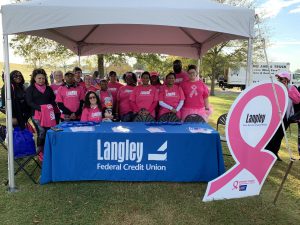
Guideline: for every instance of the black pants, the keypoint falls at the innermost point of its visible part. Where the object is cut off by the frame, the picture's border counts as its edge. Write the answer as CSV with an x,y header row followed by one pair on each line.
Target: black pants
x,y
275,142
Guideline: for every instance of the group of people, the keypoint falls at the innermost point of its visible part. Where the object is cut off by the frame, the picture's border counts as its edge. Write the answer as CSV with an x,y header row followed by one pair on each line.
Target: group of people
x,y
72,98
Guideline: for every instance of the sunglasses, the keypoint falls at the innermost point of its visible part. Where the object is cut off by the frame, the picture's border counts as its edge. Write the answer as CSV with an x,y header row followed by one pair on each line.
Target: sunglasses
x,y
92,97
17,76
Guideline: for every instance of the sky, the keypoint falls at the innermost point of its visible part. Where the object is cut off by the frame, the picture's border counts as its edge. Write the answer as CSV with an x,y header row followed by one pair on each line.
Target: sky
x,y
282,19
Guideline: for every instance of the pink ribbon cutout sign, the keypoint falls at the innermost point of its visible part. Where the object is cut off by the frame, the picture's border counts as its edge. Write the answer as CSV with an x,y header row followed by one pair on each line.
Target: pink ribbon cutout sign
x,y
251,122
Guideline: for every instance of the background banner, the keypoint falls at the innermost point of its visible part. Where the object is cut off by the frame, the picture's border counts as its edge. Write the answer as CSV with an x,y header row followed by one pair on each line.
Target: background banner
x,y
251,122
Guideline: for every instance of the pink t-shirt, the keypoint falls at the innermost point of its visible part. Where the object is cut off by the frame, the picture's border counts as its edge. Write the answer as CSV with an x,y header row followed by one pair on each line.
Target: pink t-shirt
x,y
55,87
70,97
106,99
114,88
123,99
45,116
144,97
82,84
91,88
195,93
181,77
171,96
294,94
91,115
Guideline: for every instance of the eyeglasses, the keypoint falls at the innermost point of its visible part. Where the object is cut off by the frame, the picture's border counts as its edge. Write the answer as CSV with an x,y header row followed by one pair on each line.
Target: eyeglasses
x,y
92,97
17,76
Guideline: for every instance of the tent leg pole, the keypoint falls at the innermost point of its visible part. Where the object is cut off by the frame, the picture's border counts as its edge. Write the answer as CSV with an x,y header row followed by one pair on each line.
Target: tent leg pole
x,y
249,79
283,181
11,169
79,61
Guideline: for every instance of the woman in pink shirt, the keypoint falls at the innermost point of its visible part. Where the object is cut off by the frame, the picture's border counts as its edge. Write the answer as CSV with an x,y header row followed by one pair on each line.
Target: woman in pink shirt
x,y
58,82
196,96
88,83
113,84
144,98
171,97
92,108
123,107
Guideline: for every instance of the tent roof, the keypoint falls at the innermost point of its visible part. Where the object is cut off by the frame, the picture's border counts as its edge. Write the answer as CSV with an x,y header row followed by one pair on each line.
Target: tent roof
x,y
185,28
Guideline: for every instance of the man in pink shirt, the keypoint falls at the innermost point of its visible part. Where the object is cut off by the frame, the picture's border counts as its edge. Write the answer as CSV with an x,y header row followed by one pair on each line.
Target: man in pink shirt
x,y
181,75
70,98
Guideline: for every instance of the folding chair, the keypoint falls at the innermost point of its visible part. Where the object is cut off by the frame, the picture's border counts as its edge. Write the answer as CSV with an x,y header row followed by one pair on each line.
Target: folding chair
x,y
25,162
222,121
141,118
195,118
168,117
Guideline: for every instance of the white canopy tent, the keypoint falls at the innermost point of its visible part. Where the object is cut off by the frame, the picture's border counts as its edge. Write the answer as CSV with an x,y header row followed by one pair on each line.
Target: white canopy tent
x,y
184,28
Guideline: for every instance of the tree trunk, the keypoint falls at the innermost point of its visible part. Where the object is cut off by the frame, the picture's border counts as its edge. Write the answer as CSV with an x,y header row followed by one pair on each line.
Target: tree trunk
x,y
213,77
100,60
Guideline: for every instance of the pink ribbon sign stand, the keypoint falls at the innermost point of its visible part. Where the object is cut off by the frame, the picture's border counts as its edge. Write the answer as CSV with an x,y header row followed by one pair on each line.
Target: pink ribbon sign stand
x,y
251,122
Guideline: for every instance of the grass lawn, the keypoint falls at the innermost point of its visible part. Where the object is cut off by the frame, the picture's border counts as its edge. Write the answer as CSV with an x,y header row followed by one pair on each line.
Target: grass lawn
x,y
100,202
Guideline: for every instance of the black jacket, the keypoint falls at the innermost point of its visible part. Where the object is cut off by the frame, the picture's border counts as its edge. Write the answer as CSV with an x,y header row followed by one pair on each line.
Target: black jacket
x,y
20,109
35,98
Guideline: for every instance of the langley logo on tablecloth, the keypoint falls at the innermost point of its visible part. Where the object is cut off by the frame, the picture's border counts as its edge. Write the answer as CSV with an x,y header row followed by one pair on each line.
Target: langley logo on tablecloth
x,y
128,155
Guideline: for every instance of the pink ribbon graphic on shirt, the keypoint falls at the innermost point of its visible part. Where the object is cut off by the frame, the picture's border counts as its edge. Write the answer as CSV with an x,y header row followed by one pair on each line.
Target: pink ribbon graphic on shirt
x,y
253,159
194,91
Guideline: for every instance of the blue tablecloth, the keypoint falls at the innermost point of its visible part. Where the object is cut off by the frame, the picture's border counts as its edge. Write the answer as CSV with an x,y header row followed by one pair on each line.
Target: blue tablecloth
x,y
183,153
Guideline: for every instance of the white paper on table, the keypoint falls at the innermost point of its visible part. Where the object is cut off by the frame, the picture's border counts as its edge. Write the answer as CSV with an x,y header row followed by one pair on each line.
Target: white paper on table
x,y
82,129
156,129
120,129
200,130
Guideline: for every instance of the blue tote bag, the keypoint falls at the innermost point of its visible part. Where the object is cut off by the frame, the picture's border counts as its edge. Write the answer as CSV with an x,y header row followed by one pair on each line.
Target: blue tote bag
x,y
23,143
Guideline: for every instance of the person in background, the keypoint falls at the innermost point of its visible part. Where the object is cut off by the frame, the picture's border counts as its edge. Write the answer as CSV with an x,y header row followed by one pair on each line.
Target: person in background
x,y
294,98
92,108
124,110
96,80
113,87
171,97
196,96
88,84
154,80
144,97
78,77
38,95
70,98
51,77
58,82
20,109
181,76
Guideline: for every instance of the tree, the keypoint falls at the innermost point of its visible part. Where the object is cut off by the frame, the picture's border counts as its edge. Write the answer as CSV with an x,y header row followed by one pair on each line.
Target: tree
x,y
230,53
39,51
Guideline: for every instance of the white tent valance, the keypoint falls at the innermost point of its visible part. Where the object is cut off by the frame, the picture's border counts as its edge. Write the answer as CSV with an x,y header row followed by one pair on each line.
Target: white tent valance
x,y
184,28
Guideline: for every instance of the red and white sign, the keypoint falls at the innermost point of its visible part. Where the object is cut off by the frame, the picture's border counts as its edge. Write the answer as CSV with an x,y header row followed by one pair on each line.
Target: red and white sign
x,y
251,122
